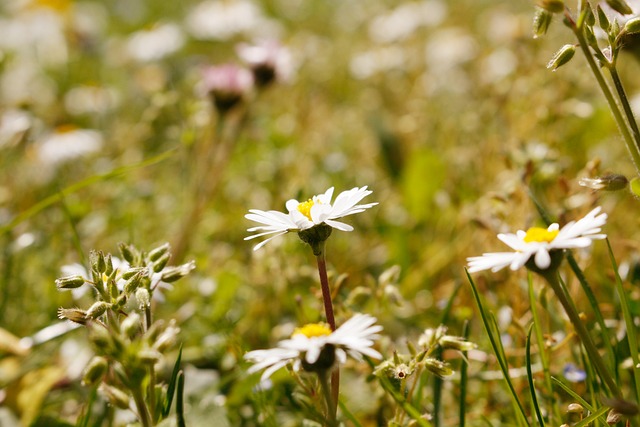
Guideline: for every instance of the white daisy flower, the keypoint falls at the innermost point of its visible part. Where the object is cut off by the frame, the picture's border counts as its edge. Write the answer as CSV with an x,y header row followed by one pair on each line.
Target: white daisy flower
x,y
316,348
539,242
305,215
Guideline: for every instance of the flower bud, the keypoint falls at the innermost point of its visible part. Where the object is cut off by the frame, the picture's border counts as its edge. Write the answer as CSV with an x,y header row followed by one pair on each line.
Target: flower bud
x,y
149,356
614,417
156,253
167,338
70,282
456,343
632,26
613,182
109,264
131,325
161,262
143,297
133,283
437,367
129,253
603,19
94,371
575,408
172,274
553,6
97,261
133,271
620,6
541,21
73,314
115,396
97,309
562,56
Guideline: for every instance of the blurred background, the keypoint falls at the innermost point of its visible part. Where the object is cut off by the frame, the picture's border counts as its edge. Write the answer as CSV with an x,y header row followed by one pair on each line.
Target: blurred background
x,y
444,109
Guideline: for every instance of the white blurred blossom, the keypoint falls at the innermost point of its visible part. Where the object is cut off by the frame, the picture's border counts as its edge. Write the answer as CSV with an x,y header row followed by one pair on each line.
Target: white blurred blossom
x,y
13,124
405,19
155,43
67,144
90,100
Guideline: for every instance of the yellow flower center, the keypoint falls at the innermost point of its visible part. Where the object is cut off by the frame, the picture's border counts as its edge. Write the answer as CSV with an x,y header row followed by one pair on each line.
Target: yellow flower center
x,y
313,330
305,208
538,234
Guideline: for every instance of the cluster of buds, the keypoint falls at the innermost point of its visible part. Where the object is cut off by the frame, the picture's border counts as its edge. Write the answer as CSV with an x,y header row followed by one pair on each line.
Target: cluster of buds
x,y
230,85
126,341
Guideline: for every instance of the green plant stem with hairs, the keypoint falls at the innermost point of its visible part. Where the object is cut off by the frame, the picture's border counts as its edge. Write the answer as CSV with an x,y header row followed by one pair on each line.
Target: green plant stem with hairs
x,y
319,251
632,140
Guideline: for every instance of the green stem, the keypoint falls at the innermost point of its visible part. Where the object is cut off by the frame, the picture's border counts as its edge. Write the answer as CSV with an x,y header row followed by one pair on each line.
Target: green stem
x,y
152,374
624,100
328,309
581,330
143,412
326,392
634,150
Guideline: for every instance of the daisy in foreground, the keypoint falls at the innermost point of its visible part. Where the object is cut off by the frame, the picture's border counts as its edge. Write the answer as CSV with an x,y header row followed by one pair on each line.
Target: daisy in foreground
x,y
301,216
316,349
541,244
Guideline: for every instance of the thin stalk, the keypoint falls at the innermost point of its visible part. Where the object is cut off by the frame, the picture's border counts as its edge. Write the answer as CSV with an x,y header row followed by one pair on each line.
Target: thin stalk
x,y
143,412
624,100
152,373
326,392
328,309
464,377
634,149
583,333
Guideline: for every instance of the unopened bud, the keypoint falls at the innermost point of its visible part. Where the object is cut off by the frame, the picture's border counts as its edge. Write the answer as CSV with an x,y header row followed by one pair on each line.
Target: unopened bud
x,y
541,21
73,314
437,367
553,6
168,337
133,271
131,325
620,6
562,56
589,18
614,417
161,262
613,182
115,396
143,297
456,343
97,309
97,261
133,283
632,26
575,408
128,252
109,264
149,356
156,253
94,371
173,274
70,282
602,18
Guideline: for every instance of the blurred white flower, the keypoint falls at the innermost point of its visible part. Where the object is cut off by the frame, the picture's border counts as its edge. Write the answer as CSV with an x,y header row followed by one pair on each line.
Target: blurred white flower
x,y
155,43
68,143
90,100
221,20
268,60
366,64
13,124
450,48
304,215
539,242
317,349
405,19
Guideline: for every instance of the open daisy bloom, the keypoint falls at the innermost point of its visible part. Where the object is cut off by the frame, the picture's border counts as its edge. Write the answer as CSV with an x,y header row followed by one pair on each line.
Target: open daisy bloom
x,y
317,349
541,244
318,211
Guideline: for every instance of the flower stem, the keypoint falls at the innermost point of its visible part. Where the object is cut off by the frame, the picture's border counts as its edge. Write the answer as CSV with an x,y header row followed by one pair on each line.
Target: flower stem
x,y
328,309
624,100
152,373
582,332
331,406
143,412
632,146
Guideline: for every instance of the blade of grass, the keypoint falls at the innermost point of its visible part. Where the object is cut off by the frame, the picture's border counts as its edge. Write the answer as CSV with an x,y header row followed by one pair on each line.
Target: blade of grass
x,y
348,414
592,417
628,321
180,401
172,385
45,203
544,359
532,388
497,349
463,379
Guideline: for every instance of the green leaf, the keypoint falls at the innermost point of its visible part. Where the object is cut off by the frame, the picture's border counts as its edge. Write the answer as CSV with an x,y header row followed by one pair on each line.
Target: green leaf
x,y
172,385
